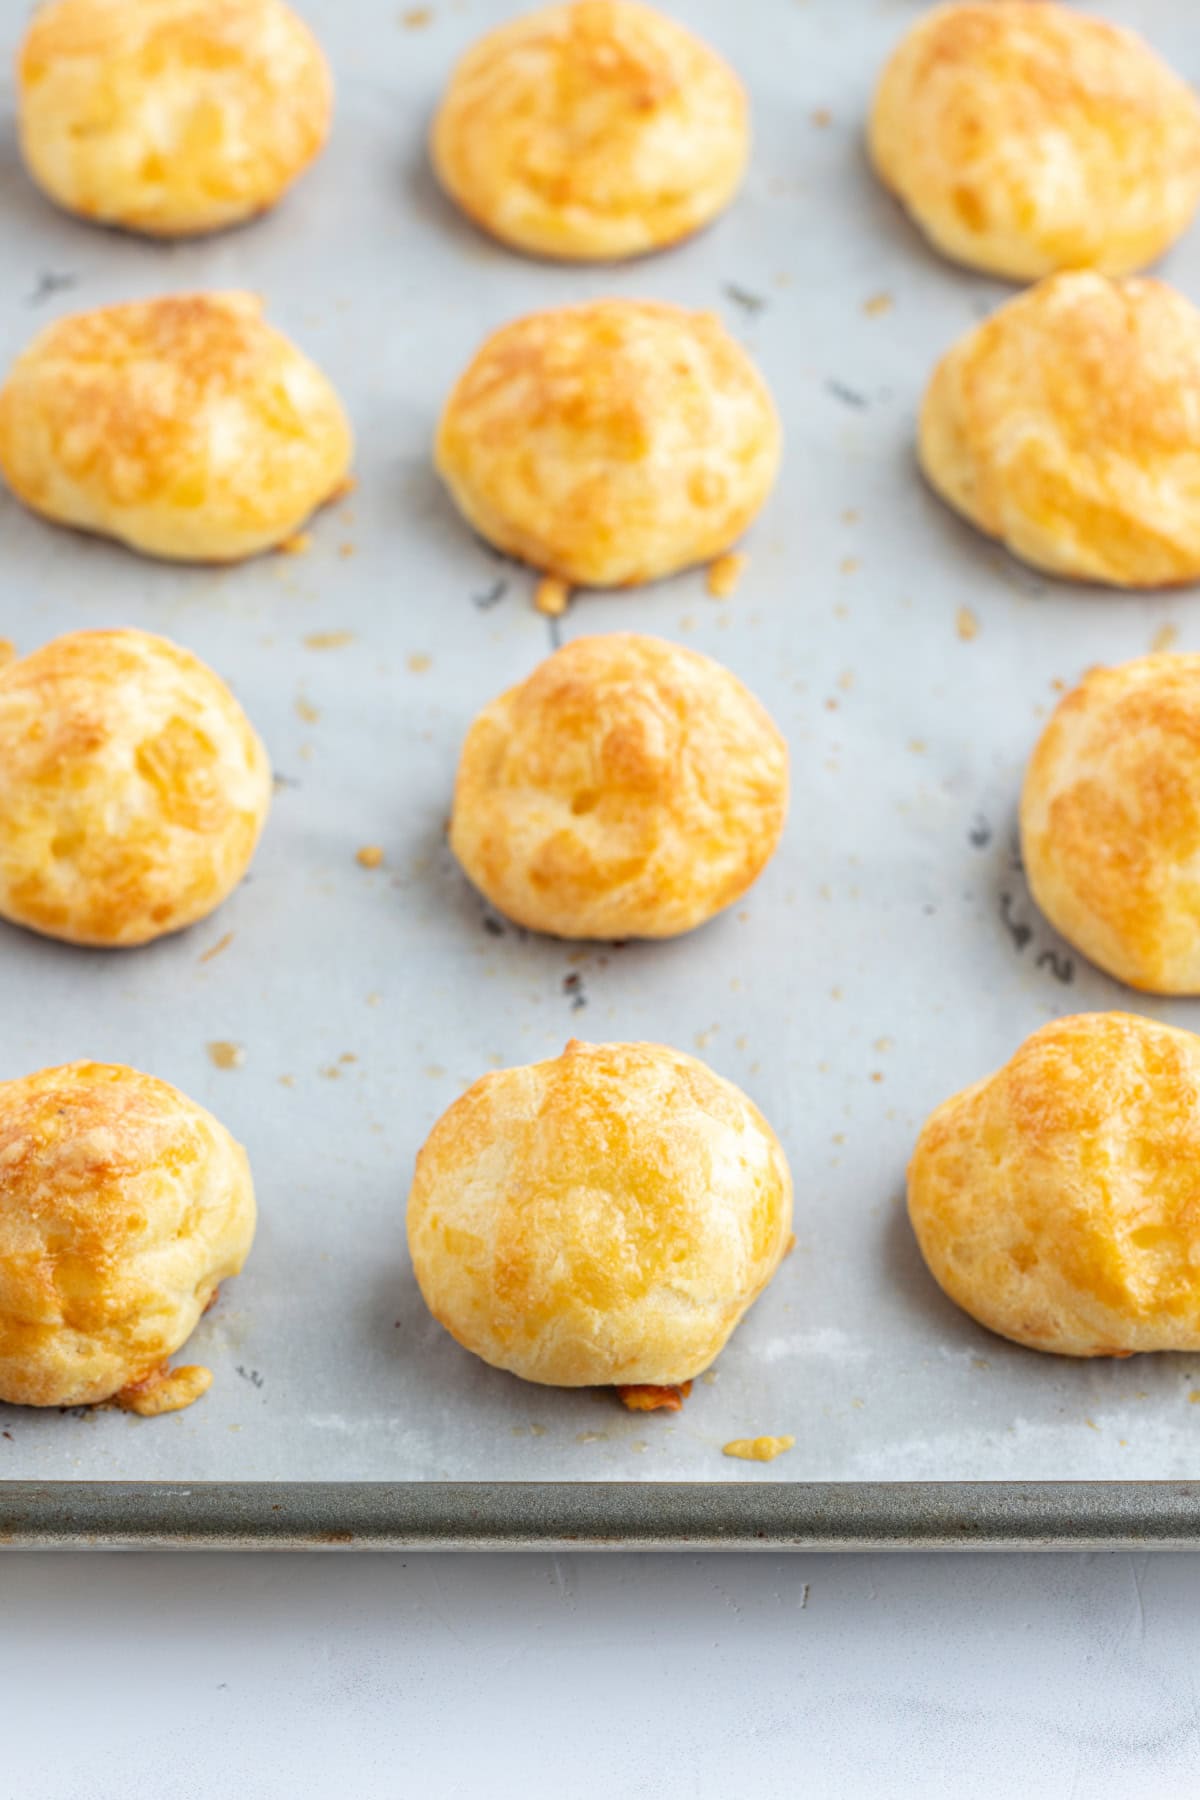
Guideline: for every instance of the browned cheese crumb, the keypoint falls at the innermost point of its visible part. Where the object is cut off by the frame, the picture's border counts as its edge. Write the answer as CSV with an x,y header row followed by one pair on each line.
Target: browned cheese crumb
x,y
758,1449
655,1399
551,596
724,574
166,1390
328,640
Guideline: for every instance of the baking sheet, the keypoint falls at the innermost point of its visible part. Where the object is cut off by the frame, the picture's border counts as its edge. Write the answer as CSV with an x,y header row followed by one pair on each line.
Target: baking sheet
x,y
890,954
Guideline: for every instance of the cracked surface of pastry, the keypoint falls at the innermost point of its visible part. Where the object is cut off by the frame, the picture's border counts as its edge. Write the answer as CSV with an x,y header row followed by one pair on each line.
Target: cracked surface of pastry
x,y
123,1205
1110,821
1026,137
627,788
186,427
1068,426
1056,1201
603,1218
133,789
170,117
610,443
592,131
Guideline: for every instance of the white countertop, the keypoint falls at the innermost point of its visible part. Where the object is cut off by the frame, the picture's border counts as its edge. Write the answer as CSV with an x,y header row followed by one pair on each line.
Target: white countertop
x,y
1048,1678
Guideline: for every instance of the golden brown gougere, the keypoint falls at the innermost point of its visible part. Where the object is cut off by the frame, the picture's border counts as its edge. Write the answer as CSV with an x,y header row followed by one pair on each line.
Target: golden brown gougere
x,y
1026,137
1110,821
1055,1201
170,117
601,1219
133,789
123,1205
591,131
1068,426
627,788
186,427
610,443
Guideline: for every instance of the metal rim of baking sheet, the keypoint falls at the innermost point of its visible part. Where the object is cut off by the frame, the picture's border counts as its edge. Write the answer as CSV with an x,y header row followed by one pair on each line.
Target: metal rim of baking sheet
x,y
565,1516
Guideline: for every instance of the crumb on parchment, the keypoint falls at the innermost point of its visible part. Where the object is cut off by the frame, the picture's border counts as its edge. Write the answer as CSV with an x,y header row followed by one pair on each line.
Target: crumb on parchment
x,y
758,1449
370,856
165,1390
328,640
644,1398
966,624
724,574
551,596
